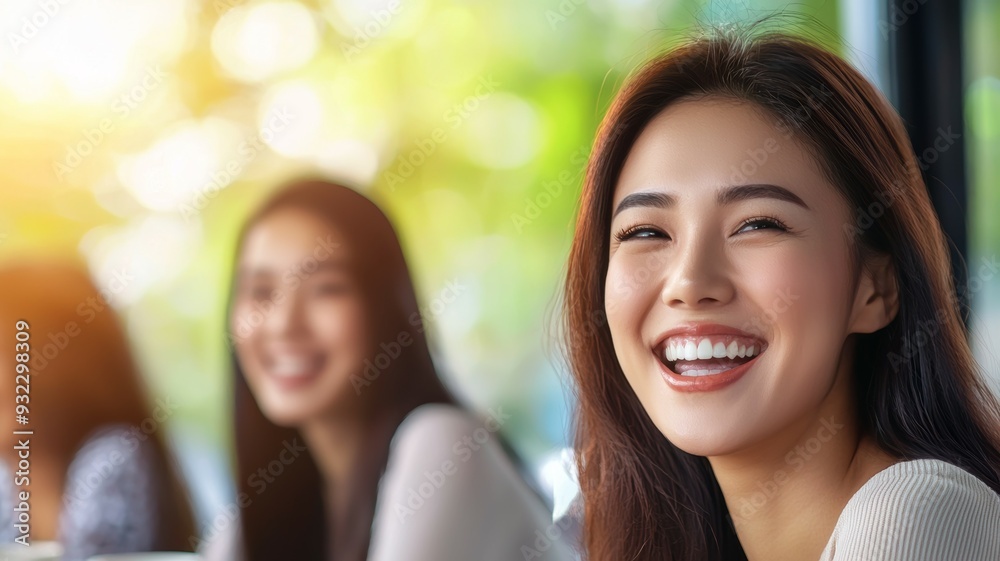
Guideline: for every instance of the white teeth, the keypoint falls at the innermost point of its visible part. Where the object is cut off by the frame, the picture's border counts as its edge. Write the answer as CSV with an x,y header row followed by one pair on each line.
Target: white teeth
x,y
291,367
690,351
702,372
704,349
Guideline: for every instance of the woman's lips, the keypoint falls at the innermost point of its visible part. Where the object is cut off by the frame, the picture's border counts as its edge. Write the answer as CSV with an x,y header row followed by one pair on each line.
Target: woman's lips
x,y
707,363
292,372
706,382
704,356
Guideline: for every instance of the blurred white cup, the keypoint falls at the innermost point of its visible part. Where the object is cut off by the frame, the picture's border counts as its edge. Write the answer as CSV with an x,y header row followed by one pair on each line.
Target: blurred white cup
x,y
150,556
37,551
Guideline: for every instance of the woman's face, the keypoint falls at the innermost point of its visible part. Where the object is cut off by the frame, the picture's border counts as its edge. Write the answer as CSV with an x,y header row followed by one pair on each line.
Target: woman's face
x,y
730,289
298,322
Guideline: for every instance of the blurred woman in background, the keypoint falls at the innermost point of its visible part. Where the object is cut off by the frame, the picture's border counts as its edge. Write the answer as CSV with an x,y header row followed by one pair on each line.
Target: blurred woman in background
x,y
348,445
101,479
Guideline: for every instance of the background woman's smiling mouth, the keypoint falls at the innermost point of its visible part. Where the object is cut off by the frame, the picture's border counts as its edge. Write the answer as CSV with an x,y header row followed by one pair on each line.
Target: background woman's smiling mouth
x,y
293,370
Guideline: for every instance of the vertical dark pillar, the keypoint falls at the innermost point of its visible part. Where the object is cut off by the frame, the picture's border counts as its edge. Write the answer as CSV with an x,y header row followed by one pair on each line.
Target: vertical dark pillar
x,y
925,48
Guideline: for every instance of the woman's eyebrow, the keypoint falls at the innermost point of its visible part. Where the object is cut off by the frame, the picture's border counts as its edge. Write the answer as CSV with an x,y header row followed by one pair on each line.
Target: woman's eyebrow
x,y
254,272
655,199
334,266
725,196
734,193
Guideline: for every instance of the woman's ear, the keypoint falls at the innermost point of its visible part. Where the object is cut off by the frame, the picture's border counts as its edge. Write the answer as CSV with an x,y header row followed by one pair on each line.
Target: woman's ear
x,y
876,301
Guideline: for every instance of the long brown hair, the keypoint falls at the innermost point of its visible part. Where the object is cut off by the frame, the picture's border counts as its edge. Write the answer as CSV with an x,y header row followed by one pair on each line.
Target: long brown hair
x,y
645,498
288,520
83,378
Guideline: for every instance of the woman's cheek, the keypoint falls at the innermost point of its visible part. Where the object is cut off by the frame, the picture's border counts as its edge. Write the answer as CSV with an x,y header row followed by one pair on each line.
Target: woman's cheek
x,y
801,299
340,327
628,300
241,330
628,288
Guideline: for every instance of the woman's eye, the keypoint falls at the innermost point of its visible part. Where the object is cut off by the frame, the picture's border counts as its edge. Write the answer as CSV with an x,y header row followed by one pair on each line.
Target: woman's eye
x,y
330,289
761,224
259,293
639,233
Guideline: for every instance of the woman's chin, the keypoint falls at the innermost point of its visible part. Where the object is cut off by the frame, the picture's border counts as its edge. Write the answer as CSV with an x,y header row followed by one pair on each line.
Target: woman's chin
x,y
701,447
287,418
704,438
293,413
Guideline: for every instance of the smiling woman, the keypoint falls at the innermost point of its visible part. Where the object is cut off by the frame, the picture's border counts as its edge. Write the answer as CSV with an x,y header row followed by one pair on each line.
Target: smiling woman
x,y
737,320
348,445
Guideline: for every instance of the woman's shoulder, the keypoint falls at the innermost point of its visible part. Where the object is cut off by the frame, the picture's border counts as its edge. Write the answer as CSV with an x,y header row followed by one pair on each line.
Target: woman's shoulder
x,y
924,485
442,437
108,456
437,433
437,421
8,494
110,491
920,509
450,491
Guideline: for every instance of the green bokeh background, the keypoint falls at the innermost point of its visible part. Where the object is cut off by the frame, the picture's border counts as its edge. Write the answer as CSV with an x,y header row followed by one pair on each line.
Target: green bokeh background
x,y
490,207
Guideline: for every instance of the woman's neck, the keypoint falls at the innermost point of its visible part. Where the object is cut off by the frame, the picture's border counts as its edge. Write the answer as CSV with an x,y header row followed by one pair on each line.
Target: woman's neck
x,y
336,445
350,452
786,495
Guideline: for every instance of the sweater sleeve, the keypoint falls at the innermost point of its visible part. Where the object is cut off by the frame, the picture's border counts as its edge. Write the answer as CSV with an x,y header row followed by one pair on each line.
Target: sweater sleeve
x,y
922,511
109,501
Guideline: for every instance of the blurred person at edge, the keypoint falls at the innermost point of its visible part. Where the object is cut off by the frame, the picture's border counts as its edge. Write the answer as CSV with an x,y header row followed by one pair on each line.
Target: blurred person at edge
x,y
100,478
348,444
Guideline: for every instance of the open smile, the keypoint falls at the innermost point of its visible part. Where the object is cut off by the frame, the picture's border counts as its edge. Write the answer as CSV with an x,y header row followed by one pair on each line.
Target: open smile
x,y
692,359
294,370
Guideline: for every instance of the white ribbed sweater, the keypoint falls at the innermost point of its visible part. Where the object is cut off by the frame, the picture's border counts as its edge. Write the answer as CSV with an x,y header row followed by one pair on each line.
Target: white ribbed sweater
x,y
920,510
